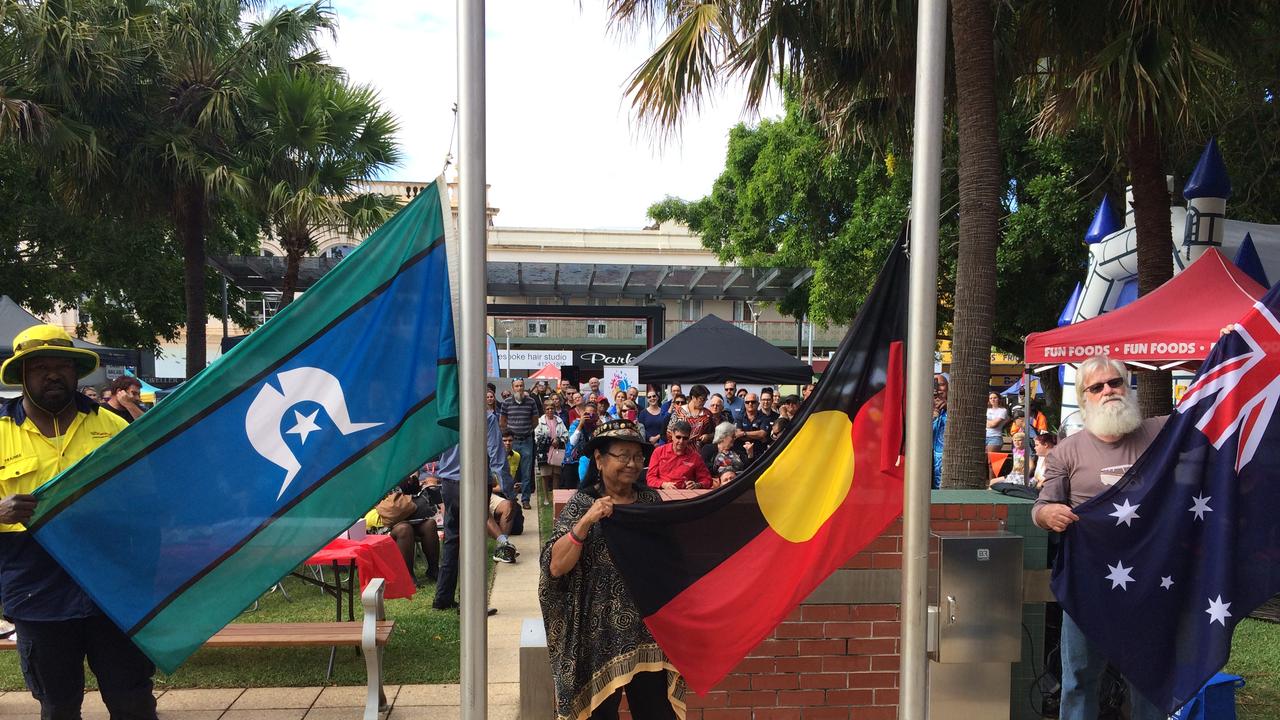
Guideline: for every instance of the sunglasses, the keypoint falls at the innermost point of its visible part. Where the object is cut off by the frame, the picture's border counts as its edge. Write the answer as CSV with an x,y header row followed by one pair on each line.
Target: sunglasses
x,y
39,343
1113,383
749,402
678,402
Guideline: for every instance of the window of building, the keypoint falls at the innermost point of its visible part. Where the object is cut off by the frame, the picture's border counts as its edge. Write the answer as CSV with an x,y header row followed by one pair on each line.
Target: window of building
x,y
337,252
536,328
640,328
739,311
690,310
597,328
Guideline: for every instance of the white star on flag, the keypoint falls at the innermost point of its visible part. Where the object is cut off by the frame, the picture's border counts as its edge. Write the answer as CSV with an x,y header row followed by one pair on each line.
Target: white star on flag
x,y
1125,513
305,425
1218,611
1201,506
1166,582
1120,575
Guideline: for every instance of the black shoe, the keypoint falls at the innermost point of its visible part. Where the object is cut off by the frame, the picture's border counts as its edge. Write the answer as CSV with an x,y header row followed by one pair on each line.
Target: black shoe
x,y
526,505
454,606
505,553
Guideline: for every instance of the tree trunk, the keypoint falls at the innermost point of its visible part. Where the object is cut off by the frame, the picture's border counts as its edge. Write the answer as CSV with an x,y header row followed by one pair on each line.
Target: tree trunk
x,y
294,249
1154,241
191,216
964,462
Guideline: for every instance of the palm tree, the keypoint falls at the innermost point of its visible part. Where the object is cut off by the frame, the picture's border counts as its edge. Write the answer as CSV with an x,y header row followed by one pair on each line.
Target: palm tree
x,y
980,189
1143,74
316,140
142,105
203,61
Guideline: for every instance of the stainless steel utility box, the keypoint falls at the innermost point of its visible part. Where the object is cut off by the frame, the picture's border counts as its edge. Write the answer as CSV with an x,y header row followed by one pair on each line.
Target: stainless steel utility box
x,y
975,582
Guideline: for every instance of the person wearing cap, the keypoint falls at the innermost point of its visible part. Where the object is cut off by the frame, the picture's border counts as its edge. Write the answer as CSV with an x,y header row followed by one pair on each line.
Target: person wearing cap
x,y
43,432
598,643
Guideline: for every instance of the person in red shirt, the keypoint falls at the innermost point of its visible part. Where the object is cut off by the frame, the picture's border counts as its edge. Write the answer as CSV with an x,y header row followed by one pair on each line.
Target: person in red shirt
x,y
677,464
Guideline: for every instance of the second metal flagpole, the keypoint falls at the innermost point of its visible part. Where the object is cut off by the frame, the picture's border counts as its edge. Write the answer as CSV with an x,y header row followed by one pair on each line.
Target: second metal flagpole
x,y
474,488
926,183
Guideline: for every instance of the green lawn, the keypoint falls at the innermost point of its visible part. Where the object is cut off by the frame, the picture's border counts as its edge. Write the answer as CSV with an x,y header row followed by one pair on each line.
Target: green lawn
x,y
424,647
1255,656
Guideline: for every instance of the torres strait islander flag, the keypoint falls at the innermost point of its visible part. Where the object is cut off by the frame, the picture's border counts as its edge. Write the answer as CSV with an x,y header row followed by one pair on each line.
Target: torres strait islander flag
x,y
713,576
177,524
1162,565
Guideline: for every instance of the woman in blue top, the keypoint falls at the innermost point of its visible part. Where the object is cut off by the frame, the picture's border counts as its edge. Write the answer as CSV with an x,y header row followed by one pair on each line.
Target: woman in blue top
x,y
653,418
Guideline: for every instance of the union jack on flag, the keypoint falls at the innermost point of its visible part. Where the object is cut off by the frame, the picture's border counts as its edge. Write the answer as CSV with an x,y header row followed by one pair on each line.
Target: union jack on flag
x,y
1246,385
1162,565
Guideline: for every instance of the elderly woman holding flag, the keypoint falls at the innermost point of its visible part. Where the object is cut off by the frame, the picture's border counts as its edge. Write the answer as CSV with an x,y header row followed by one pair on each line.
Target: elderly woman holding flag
x,y
598,642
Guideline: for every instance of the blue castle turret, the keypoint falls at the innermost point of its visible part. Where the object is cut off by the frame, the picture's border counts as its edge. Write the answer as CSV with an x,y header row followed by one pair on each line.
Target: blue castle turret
x,y
1247,260
1206,192
1209,179
1104,222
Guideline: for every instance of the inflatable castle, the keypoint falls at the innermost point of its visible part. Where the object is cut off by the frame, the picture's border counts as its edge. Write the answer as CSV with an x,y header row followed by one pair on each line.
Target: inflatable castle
x,y
1112,280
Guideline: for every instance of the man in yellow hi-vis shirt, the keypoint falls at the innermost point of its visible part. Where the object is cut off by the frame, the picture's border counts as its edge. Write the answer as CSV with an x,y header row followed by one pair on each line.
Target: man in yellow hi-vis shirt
x,y
43,432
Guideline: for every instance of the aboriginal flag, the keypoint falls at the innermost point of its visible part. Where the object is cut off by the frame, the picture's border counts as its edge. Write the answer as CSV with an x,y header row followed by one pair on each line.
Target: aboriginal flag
x,y
713,576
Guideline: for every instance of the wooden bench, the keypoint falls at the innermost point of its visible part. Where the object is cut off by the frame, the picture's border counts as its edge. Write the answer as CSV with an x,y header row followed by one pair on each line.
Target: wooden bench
x,y
371,635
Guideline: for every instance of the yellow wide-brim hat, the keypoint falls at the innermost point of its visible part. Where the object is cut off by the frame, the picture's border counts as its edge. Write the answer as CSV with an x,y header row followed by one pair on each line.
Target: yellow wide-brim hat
x,y
45,341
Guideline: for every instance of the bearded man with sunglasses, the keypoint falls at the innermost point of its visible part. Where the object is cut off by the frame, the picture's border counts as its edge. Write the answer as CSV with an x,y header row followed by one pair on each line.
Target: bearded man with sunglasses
x,y
1083,465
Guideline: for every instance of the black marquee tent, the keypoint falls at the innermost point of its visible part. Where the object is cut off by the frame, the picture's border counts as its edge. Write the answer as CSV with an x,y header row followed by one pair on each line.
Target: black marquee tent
x,y
712,350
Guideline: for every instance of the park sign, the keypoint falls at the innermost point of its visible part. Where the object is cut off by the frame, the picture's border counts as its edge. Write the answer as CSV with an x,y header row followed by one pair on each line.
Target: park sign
x,y
181,521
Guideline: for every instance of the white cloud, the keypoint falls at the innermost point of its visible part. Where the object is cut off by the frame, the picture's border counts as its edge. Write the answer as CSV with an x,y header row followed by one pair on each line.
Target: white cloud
x,y
564,149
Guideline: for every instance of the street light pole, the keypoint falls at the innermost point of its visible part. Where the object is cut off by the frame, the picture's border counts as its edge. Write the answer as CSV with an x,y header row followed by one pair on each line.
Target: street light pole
x,y
506,327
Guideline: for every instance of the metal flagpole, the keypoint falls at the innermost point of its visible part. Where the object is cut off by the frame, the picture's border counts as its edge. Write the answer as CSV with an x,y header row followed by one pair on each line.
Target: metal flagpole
x,y
471,358
926,180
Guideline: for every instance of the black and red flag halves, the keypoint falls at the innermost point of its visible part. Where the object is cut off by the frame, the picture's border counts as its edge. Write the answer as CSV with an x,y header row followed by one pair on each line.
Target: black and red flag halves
x,y
713,576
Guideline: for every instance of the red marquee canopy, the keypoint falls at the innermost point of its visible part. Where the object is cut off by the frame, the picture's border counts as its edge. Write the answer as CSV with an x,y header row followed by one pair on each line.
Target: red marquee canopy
x,y
550,371
1178,322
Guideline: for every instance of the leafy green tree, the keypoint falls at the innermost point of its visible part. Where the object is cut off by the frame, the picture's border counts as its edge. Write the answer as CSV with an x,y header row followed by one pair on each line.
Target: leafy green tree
x,y
316,140
117,269
787,199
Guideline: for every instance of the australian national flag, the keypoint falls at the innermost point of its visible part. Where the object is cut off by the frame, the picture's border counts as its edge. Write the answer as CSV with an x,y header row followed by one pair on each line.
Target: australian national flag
x,y
178,523
1164,564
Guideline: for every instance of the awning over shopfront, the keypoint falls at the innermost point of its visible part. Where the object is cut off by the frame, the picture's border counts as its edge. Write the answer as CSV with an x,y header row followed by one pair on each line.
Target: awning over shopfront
x,y
560,280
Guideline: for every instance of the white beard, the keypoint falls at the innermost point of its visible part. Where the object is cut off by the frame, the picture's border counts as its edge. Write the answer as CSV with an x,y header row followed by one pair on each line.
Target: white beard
x,y
1115,417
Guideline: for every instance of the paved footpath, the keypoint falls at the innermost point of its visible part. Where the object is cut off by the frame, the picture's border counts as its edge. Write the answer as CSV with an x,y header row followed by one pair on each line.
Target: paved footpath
x,y
515,595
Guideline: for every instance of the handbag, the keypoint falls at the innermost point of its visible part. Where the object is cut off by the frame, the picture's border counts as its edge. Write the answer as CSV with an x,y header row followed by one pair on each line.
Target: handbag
x,y
555,456
396,507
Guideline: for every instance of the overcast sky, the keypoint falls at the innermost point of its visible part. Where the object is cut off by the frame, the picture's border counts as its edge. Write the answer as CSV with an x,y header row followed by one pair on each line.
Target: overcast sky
x,y
564,148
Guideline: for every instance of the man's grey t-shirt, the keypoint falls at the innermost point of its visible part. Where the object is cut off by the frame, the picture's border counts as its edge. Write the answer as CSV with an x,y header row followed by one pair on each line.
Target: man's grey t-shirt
x,y
1083,466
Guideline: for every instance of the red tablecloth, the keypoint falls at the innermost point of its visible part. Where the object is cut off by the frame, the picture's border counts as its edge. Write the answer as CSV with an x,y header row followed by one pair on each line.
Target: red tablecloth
x,y
374,556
